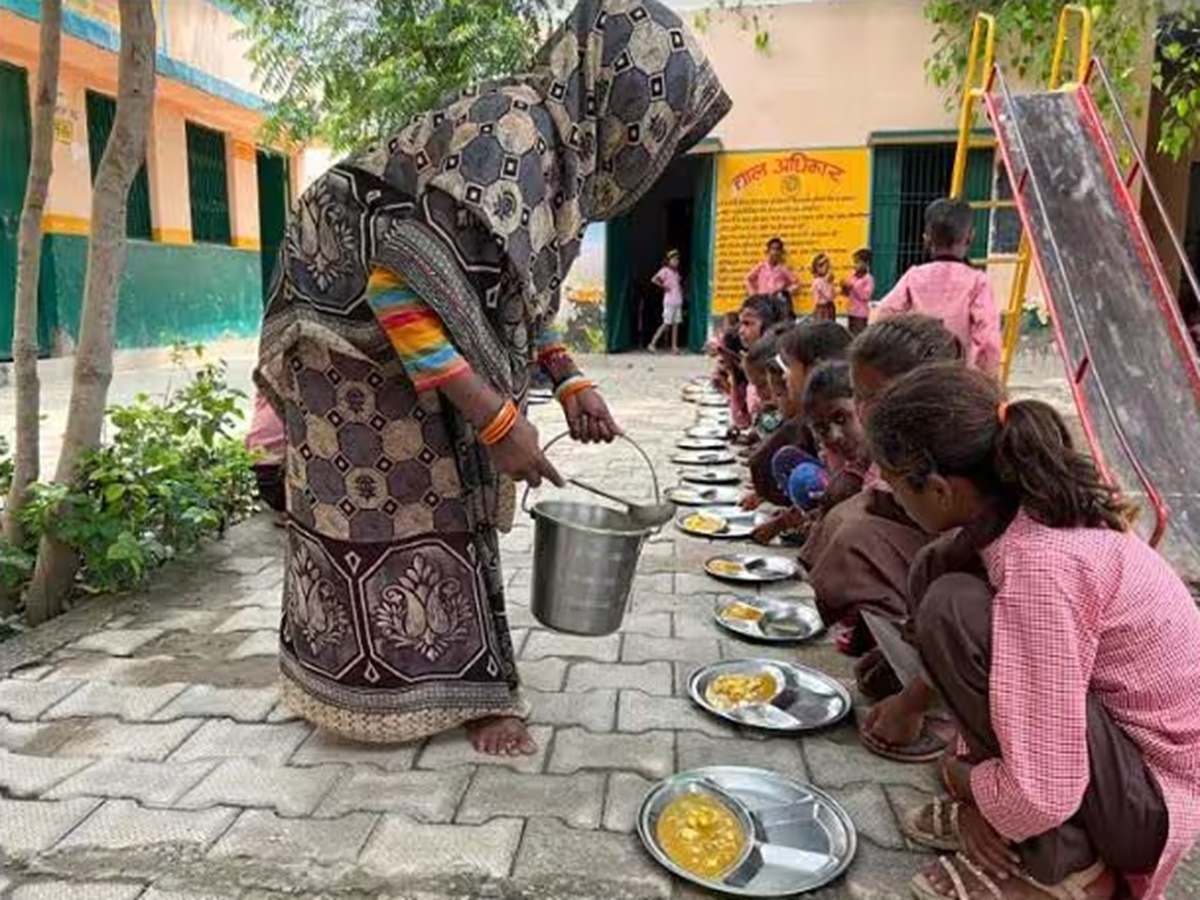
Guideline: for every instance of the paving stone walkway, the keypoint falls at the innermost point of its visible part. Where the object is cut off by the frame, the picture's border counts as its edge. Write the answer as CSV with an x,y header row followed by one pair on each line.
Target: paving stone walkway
x,y
144,754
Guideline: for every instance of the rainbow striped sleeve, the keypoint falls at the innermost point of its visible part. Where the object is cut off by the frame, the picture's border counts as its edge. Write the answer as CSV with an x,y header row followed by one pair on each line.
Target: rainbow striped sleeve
x,y
552,356
418,335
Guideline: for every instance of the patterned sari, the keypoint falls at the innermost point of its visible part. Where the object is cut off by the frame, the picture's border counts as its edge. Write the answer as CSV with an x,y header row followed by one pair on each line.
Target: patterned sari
x,y
394,625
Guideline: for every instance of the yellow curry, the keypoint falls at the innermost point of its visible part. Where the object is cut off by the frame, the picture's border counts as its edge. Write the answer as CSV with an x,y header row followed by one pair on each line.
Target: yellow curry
x,y
733,690
700,835
725,567
705,523
743,612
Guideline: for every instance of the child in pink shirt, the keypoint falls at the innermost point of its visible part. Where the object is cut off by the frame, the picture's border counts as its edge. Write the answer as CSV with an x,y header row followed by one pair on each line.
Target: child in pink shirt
x,y
859,288
771,276
268,439
949,288
824,307
669,280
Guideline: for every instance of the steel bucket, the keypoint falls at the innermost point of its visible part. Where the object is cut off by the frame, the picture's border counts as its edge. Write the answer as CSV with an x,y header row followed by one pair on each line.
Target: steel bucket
x,y
584,560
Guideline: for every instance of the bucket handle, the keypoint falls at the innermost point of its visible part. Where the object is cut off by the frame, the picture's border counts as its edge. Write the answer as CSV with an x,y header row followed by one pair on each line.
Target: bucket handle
x,y
624,437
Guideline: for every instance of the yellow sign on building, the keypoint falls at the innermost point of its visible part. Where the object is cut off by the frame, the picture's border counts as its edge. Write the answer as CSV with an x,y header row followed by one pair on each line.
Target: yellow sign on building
x,y
818,201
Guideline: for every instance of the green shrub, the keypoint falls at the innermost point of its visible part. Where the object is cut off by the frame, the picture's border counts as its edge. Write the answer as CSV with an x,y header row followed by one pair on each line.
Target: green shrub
x,y
173,474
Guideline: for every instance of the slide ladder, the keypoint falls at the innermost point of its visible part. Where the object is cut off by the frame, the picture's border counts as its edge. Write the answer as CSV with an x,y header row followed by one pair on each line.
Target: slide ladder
x,y
1132,368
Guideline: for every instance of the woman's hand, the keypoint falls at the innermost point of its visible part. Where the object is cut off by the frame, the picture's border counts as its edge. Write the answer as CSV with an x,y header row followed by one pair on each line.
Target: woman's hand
x,y
588,418
520,456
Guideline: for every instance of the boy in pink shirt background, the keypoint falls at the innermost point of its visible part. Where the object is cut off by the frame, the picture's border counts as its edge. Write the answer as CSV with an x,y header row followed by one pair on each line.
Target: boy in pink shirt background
x,y
949,288
859,289
669,280
772,277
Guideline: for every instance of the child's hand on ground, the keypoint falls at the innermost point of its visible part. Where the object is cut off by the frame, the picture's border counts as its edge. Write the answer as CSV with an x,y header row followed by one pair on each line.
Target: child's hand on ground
x,y
983,844
751,502
765,533
892,722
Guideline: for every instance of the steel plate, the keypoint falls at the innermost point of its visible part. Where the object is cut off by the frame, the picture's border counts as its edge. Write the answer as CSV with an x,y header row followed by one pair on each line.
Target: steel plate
x,y
690,443
708,433
740,523
779,621
703,458
753,568
802,838
807,700
687,495
712,476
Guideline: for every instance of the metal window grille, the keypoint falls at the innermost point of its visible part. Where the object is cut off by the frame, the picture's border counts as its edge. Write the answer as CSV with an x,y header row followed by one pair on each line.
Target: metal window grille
x,y
208,187
101,113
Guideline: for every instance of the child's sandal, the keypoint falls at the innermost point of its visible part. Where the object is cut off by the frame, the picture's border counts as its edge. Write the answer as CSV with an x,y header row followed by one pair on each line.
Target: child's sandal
x,y
942,833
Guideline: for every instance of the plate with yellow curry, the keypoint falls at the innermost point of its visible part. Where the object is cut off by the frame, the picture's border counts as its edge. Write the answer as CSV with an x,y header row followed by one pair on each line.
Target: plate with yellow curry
x,y
774,696
768,619
751,568
746,831
726,522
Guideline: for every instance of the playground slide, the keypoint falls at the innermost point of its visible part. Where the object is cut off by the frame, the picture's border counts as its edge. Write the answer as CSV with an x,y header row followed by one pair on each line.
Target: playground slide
x,y
1134,372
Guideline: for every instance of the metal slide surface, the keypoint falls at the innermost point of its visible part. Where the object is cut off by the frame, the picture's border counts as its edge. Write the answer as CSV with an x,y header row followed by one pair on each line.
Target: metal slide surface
x,y
1136,382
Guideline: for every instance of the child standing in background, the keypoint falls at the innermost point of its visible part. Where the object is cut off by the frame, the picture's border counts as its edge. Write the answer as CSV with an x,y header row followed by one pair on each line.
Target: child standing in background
x,y
268,439
949,288
669,280
860,289
824,307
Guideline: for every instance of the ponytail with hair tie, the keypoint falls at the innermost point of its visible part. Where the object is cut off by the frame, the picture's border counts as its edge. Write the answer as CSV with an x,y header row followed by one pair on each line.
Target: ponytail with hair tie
x,y
1002,413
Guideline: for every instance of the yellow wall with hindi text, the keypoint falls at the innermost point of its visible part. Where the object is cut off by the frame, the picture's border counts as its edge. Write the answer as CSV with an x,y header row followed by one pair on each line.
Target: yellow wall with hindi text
x,y
818,201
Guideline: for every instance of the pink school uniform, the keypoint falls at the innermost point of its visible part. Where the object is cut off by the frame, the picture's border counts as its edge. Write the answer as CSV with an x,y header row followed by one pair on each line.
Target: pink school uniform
x,y
861,291
765,278
961,297
266,433
1081,610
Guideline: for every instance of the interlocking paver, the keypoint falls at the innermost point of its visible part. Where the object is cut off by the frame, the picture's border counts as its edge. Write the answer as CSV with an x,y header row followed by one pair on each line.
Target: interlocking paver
x,y
651,677
834,765
250,618
259,834
116,641
638,712
869,809
560,857
131,703
424,796
98,667
258,643
651,753
594,710
496,793
204,701
623,797
123,825
322,747
29,776
640,648
33,826
541,644
149,783
542,674
109,737
15,735
401,848
782,754
445,751
224,739
248,783
155,893
85,890
26,700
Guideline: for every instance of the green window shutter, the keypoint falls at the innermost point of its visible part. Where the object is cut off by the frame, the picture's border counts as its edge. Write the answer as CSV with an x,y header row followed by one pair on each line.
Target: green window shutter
x,y
101,113
980,178
886,169
207,185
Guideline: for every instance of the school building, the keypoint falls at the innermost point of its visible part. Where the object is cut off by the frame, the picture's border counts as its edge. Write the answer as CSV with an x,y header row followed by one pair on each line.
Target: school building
x,y
836,141
205,213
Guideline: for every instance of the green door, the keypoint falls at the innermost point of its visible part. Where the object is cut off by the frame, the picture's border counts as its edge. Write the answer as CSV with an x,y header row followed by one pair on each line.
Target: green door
x,y
14,170
273,202
699,276
101,113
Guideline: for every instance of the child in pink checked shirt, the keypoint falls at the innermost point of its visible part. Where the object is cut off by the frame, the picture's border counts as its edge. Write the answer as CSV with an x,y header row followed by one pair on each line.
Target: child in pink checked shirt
x,y
268,438
859,288
1066,649
950,288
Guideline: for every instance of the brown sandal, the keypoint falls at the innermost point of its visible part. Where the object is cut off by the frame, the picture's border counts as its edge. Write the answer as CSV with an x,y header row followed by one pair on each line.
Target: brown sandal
x,y
1077,886
929,747
943,818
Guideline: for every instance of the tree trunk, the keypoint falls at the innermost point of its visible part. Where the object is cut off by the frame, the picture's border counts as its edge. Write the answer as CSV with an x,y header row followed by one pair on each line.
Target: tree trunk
x,y
29,260
123,156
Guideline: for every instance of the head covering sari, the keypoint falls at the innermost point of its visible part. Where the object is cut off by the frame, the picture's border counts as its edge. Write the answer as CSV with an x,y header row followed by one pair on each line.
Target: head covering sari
x,y
394,623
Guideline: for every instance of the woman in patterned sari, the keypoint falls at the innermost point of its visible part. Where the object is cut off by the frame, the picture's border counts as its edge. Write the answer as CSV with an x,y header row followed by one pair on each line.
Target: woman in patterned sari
x,y
415,295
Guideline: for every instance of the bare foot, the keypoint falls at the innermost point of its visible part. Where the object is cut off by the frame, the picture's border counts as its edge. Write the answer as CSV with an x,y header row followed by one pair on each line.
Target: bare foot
x,y
501,736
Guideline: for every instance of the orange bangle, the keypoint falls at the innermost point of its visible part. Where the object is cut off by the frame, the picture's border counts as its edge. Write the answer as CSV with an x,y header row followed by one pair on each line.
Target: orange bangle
x,y
498,429
575,387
